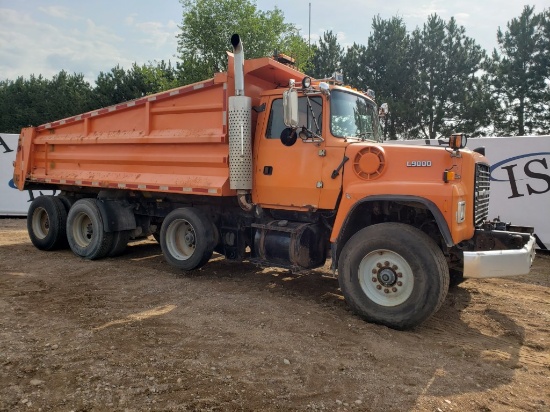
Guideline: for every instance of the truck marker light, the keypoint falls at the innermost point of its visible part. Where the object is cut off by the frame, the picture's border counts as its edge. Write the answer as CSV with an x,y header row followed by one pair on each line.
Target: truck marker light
x,y
448,176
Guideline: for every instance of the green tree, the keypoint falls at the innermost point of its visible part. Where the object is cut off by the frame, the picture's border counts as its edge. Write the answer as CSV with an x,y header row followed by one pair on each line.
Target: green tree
x,y
354,66
16,99
391,72
112,88
207,27
149,78
327,56
545,61
120,85
519,72
296,47
67,95
35,101
447,63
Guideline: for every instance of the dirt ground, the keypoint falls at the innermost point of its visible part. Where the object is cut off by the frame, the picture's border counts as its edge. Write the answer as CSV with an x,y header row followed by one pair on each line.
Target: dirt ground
x,y
134,334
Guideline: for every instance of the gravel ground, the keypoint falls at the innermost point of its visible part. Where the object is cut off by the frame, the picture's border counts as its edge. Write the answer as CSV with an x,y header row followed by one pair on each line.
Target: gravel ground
x,y
134,334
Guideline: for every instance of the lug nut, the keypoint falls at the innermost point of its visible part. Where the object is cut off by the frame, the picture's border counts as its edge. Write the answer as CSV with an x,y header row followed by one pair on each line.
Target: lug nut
x,y
386,263
378,287
394,289
379,265
374,279
386,291
394,267
399,283
374,271
400,275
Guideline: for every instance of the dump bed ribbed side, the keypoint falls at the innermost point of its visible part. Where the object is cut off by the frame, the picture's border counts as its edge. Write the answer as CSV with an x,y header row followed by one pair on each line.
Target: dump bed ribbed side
x,y
174,141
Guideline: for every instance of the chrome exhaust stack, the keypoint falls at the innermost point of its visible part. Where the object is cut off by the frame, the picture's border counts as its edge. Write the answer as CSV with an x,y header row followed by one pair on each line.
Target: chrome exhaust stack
x,y
238,53
240,132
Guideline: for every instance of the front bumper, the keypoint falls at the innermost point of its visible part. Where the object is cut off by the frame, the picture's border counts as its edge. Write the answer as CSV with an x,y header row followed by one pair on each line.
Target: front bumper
x,y
500,263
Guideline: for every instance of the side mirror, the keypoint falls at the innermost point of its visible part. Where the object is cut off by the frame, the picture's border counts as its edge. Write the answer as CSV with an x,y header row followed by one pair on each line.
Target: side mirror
x,y
289,136
383,110
458,141
290,108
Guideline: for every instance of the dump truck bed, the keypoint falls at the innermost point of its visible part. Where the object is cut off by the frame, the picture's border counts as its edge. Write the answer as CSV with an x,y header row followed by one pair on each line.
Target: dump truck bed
x,y
175,141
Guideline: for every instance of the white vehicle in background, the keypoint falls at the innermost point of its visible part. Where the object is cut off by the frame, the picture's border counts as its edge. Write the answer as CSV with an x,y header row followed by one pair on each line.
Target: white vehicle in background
x,y
12,201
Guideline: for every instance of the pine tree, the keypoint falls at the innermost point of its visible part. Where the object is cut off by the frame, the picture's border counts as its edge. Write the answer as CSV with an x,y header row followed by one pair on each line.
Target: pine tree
x,y
327,56
519,75
447,64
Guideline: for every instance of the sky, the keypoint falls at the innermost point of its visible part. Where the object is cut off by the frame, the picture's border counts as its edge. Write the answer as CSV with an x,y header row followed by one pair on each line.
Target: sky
x,y
47,36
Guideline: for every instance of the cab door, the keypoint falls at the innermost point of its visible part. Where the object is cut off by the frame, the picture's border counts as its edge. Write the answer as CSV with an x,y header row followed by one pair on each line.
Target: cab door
x,y
288,177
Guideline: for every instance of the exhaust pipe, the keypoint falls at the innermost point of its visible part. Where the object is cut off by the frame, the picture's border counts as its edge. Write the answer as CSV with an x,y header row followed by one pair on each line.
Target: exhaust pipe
x,y
240,132
238,52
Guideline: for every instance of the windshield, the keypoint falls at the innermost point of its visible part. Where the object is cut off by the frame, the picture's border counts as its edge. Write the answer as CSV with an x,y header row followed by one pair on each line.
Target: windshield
x,y
353,116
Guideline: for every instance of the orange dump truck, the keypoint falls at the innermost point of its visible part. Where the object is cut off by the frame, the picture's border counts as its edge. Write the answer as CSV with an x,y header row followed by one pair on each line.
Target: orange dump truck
x,y
265,164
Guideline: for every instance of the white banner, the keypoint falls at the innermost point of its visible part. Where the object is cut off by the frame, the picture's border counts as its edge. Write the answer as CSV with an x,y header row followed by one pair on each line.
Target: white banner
x,y
12,201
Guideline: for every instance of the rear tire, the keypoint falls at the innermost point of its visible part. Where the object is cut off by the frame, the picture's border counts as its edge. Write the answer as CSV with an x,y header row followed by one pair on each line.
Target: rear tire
x,y
187,239
46,223
67,201
393,274
85,232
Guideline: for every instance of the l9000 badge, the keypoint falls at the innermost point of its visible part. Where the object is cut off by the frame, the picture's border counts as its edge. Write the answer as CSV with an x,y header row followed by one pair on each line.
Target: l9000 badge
x,y
420,163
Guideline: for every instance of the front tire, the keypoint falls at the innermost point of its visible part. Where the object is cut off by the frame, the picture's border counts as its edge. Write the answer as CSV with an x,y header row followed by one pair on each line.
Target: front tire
x,y
187,239
46,223
393,274
85,232
456,277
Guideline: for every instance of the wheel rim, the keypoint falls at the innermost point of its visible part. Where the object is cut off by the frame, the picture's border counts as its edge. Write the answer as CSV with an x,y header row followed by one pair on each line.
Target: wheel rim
x,y
386,277
40,223
181,239
83,230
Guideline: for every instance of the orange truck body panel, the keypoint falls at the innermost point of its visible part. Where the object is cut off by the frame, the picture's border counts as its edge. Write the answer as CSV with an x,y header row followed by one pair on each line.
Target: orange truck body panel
x,y
400,180
175,141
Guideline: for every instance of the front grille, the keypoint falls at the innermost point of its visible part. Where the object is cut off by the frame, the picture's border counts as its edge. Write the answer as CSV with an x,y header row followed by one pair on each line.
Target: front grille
x,y
481,193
